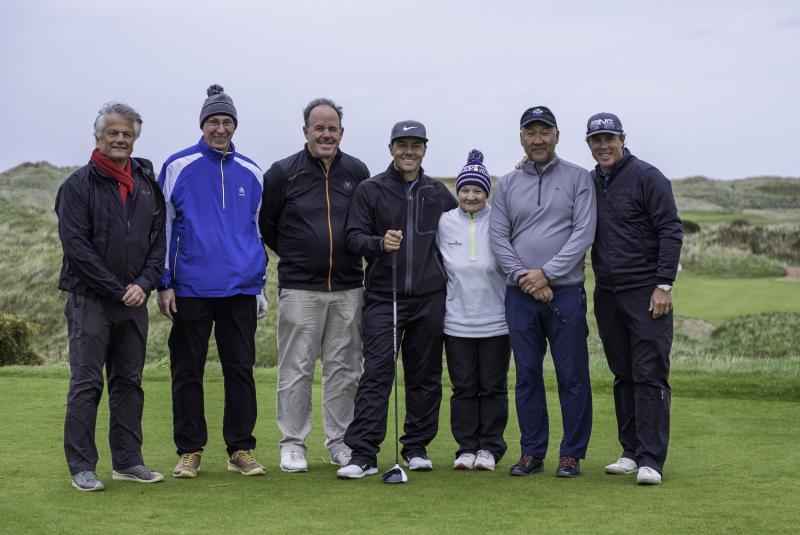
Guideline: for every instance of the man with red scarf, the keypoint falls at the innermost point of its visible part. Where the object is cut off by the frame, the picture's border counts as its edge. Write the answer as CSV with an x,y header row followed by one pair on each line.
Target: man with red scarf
x,y
111,216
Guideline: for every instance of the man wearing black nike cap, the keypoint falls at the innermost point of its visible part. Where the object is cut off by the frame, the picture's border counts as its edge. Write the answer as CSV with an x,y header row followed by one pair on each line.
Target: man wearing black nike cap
x,y
392,224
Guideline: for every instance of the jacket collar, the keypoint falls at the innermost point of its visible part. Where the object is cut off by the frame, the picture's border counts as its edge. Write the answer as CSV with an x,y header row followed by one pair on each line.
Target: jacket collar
x,y
215,154
318,162
478,215
398,175
534,169
617,167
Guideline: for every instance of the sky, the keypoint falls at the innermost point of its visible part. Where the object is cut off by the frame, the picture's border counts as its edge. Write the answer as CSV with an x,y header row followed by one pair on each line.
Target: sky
x,y
702,87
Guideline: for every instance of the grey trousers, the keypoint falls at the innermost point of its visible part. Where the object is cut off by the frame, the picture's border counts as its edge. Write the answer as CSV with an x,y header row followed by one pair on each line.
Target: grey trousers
x,y
317,325
103,333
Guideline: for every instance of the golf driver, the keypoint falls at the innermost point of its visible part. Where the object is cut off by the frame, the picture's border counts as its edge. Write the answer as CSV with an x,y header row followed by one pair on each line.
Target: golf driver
x,y
395,474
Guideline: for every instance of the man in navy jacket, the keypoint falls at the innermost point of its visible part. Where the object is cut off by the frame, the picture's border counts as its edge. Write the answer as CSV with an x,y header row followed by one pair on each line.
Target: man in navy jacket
x,y
213,272
635,259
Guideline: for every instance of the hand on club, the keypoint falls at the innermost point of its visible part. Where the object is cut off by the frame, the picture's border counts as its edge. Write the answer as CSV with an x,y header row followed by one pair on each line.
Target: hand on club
x,y
392,240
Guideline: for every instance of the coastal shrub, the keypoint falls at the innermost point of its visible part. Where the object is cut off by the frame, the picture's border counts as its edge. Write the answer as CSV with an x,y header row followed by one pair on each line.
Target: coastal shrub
x,y
714,260
16,335
689,227
765,335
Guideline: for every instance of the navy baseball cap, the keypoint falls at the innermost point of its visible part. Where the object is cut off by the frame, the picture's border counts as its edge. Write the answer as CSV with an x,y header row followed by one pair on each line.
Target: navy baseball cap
x,y
604,123
538,113
409,129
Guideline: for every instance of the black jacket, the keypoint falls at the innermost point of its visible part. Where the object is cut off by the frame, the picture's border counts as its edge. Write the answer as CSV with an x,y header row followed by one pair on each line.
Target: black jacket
x,y
638,238
107,245
384,202
303,217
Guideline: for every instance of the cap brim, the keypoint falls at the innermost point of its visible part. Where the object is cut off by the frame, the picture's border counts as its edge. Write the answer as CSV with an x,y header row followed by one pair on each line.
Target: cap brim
x,y
538,120
406,135
615,132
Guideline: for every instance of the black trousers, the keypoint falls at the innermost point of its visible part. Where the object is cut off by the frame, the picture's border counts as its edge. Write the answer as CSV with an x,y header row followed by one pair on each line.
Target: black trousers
x,y
637,349
478,369
104,333
420,324
234,322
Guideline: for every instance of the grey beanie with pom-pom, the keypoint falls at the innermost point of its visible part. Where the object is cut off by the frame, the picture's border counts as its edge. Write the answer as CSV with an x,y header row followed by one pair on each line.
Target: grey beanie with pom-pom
x,y
474,173
217,103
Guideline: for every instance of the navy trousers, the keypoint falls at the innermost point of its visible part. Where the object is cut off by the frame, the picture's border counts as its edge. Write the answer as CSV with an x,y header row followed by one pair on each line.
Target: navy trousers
x,y
637,350
104,333
562,322
234,321
420,330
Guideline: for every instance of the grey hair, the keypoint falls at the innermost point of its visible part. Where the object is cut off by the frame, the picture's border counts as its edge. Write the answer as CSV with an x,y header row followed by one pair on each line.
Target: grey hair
x,y
123,110
321,102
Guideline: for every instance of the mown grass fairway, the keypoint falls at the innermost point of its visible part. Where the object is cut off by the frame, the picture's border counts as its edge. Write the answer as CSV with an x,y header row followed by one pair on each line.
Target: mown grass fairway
x,y
730,469
717,299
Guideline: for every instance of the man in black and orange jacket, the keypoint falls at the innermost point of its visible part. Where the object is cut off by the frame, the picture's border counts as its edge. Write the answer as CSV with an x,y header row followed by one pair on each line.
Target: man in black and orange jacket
x,y
304,210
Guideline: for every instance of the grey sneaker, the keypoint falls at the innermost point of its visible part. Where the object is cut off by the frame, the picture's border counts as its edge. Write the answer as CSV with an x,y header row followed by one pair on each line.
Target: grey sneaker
x,y
87,481
293,461
188,465
242,461
342,457
139,474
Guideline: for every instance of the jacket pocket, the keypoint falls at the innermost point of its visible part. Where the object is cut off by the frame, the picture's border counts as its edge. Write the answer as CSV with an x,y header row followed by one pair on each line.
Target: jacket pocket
x,y
427,210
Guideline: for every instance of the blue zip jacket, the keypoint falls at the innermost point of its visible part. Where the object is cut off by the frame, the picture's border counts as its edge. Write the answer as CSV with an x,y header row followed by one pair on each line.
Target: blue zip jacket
x,y
213,201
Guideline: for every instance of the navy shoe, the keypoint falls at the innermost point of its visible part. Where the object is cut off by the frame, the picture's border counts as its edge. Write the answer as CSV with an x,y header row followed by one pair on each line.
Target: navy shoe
x,y
568,467
526,466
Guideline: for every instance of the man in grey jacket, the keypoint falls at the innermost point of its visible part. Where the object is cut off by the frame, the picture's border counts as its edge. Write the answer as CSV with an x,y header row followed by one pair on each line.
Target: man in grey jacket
x,y
542,223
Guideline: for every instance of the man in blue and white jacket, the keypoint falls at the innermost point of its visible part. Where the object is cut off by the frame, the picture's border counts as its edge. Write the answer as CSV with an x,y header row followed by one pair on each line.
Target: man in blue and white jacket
x,y
215,268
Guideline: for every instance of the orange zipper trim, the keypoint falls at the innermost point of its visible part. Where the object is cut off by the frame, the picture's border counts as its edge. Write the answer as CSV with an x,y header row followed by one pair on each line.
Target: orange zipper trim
x,y
330,231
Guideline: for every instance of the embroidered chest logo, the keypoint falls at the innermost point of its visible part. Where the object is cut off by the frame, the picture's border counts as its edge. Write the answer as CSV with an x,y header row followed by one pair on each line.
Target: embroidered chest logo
x,y
241,191
455,243
348,185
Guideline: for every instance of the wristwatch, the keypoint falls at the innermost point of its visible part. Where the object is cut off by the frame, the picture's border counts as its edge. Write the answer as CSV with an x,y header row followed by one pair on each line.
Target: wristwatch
x,y
664,287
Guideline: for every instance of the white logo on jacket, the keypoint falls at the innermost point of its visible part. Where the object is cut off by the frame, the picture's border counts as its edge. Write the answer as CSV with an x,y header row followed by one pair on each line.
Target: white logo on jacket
x,y
241,191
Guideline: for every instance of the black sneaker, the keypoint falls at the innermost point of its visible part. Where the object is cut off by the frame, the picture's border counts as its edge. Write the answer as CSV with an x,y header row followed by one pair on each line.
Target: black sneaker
x,y
526,466
568,467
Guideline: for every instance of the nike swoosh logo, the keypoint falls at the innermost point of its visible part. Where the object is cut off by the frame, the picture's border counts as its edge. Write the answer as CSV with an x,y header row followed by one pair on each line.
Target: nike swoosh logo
x,y
406,128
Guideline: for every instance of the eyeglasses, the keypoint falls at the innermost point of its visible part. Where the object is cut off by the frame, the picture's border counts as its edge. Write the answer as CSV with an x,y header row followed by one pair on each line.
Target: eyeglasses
x,y
227,124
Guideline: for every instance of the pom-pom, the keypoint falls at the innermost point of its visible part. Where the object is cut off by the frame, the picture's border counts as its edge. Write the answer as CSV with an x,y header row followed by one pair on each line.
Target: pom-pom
x,y
215,89
475,157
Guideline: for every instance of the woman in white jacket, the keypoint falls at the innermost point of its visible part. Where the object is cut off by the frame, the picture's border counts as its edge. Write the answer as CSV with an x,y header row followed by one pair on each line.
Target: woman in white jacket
x,y
476,335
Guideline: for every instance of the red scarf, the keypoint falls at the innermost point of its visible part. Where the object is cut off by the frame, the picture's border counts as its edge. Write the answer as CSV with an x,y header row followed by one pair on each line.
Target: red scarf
x,y
111,169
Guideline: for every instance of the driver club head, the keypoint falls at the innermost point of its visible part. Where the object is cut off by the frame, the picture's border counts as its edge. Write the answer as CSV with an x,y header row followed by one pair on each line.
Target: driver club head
x,y
395,475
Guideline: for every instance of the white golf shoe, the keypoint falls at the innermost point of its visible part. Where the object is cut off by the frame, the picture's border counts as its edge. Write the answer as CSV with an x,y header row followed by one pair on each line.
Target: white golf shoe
x,y
419,463
293,461
465,461
648,476
623,465
484,461
355,471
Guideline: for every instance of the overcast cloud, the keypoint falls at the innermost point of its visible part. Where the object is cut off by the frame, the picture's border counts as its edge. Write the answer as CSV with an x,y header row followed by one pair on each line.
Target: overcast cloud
x,y
702,88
